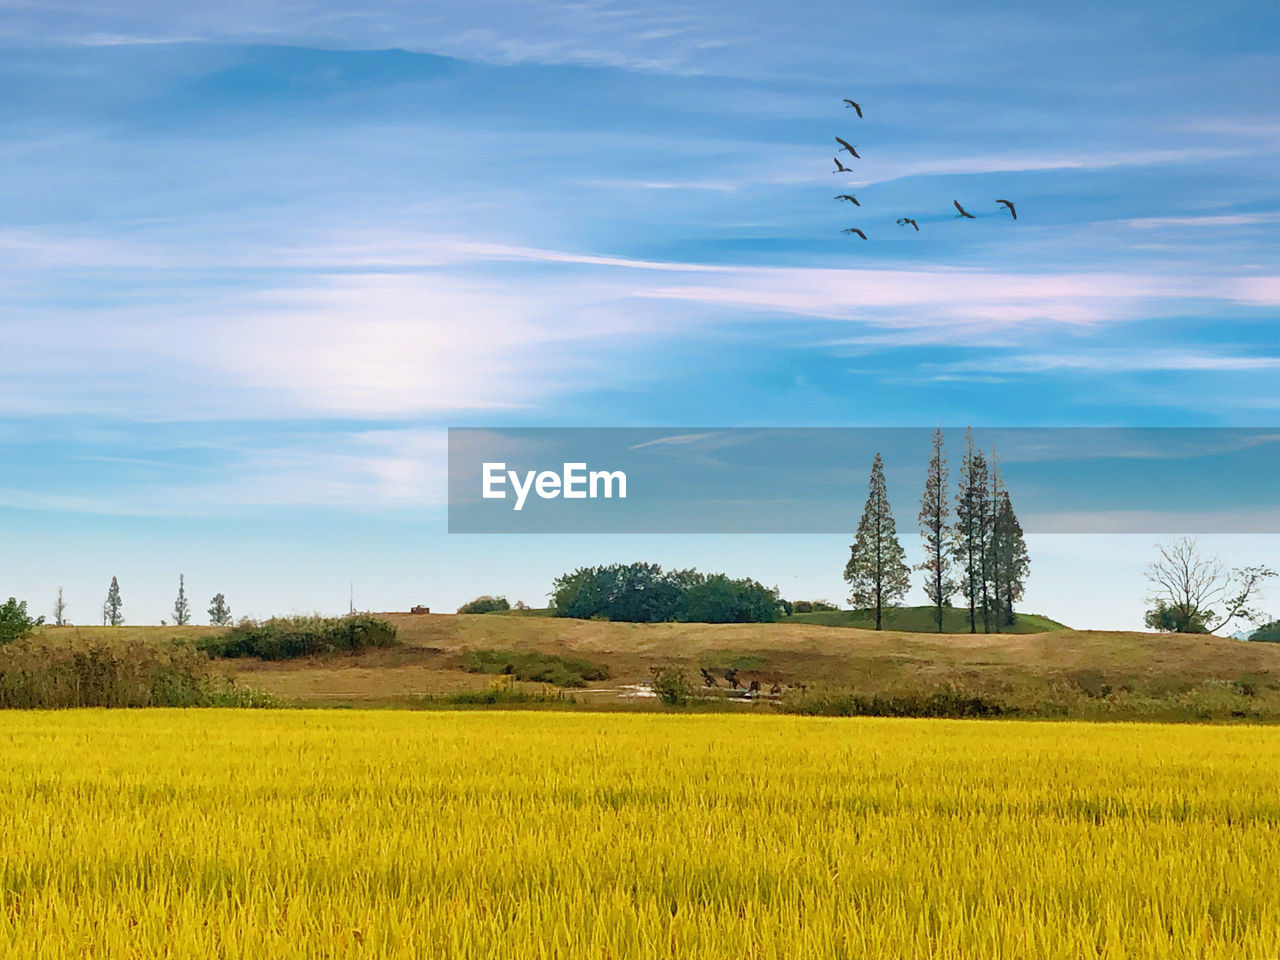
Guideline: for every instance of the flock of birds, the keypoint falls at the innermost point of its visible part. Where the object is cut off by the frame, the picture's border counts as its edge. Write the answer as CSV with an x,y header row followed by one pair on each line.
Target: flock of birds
x,y
847,147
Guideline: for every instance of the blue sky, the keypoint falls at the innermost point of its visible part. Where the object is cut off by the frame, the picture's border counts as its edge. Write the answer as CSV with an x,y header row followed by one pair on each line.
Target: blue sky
x,y
254,261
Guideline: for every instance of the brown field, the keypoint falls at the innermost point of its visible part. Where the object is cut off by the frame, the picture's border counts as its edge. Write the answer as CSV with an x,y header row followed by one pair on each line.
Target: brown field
x,y
427,661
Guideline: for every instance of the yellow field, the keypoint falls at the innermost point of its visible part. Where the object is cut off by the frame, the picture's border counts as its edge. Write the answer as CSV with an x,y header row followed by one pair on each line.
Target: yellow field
x,y
389,834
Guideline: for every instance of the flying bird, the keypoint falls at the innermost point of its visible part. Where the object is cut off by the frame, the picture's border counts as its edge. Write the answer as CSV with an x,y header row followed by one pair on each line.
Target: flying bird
x,y
963,211
850,197
907,220
850,103
855,230
848,146
840,167
1012,211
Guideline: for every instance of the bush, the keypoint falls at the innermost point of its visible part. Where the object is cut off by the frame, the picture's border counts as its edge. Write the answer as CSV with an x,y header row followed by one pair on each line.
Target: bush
x,y
534,667
14,622
1267,633
499,696
941,703
643,593
485,604
48,675
671,685
1168,619
286,638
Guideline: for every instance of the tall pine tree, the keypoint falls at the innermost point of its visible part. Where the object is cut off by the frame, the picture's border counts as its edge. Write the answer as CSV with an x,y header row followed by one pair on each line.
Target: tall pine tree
x,y
935,528
111,608
877,572
972,519
992,603
181,607
1012,562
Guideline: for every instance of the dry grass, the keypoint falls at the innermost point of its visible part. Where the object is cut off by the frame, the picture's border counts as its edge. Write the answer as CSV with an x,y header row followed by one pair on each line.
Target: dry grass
x,y
427,662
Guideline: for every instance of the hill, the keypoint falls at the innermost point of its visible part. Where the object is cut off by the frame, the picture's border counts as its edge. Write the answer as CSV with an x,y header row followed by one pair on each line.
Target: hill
x,y
920,620
1022,668
1026,669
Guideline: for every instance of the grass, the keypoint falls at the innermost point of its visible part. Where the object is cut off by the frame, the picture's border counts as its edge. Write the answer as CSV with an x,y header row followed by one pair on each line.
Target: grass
x,y
535,667
359,834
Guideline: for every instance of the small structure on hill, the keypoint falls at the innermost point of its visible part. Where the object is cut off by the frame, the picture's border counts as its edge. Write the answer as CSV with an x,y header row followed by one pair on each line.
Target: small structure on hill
x,y
420,609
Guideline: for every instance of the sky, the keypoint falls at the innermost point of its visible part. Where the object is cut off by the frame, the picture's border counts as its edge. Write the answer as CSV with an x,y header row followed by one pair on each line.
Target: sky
x,y
256,259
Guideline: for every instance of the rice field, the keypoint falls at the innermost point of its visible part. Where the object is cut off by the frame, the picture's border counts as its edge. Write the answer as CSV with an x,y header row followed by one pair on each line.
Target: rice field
x,y
290,834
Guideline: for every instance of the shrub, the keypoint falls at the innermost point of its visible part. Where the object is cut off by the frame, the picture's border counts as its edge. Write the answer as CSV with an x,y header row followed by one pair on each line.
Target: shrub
x,y
500,696
946,702
485,604
48,675
1169,619
15,624
534,667
286,638
671,685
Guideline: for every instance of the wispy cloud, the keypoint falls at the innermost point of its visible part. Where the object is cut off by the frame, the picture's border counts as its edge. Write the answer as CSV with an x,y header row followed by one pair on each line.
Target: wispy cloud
x,y
1115,360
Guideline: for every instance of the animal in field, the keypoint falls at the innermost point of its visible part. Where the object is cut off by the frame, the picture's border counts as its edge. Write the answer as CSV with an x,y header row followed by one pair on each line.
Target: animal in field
x,y
732,677
707,679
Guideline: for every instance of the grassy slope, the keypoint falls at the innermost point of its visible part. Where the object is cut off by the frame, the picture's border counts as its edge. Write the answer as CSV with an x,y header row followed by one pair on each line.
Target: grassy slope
x,y
427,661
787,652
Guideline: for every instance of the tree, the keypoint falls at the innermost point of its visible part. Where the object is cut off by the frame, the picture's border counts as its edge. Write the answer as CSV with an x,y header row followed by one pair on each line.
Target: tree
x,y
643,593
181,608
1010,560
1187,586
877,571
15,624
219,611
486,604
1267,633
971,530
935,528
59,611
111,607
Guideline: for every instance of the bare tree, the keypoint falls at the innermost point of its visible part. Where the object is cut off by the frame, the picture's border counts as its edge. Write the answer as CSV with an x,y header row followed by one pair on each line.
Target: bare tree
x,y
1187,586
59,611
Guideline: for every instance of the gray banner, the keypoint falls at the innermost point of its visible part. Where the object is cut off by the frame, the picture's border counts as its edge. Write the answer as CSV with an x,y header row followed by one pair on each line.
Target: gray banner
x,y
814,480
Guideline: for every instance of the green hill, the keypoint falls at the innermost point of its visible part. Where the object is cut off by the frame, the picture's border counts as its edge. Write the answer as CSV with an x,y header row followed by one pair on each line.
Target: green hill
x,y
920,620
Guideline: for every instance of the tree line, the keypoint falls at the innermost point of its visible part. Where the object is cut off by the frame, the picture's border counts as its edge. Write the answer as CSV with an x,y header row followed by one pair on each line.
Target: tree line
x,y
645,593
974,544
113,607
